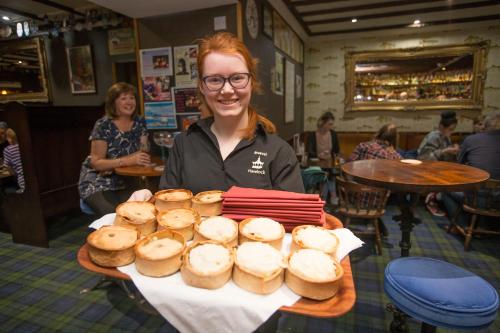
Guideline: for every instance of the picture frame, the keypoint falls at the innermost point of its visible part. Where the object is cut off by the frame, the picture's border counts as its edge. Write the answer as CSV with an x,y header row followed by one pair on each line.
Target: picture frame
x,y
267,20
81,70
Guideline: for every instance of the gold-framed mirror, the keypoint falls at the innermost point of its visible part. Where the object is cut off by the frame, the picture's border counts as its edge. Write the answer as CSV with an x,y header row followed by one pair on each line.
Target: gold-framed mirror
x,y
23,71
431,78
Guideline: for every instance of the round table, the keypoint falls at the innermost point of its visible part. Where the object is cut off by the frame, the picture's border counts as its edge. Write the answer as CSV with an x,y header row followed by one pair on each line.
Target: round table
x,y
144,172
410,180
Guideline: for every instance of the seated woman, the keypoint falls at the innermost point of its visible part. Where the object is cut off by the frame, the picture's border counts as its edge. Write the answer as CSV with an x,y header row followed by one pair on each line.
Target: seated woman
x,y
12,160
324,144
437,146
234,145
381,147
115,142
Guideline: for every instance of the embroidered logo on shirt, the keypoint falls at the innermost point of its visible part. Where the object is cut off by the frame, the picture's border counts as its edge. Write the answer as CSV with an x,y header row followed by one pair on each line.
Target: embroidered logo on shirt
x,y
257,165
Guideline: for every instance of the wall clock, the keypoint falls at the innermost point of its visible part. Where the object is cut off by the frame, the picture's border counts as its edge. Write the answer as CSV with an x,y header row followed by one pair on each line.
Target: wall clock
x,y
252,18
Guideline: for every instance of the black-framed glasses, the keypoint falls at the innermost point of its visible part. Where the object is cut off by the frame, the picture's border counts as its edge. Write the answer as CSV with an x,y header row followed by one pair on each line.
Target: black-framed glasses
x,y
236,80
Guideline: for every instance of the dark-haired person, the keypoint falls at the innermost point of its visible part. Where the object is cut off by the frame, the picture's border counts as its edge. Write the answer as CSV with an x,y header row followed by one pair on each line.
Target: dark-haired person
x,y
381,147
115,141
323,143
234,145
437,146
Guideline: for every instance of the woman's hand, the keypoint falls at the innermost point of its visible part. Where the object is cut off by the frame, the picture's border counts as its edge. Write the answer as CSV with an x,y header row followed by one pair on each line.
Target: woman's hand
x,y
325,155
452,149
137,158
141,195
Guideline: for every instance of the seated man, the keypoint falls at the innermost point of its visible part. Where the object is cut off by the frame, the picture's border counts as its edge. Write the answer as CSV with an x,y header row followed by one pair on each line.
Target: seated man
x,y
482,151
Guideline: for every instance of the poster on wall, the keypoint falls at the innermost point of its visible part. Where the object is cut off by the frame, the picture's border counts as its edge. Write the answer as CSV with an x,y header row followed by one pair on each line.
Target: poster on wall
x,y
186,100
81,70
277,83
156,88
156,62
121,41
289,92
160,115
286,39
186,67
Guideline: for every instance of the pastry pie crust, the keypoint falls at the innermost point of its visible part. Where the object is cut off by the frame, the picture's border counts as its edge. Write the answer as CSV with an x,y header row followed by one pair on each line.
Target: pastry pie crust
x,y
255,281
244,237
231,242
129,214
181,220
215,280
157,267
173,198
312,288
112,246
297,244
208,203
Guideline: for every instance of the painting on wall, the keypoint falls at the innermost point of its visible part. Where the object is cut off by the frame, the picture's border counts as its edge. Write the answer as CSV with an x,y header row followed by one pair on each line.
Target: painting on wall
x,y
121,41
286,39
81,70
277,84
267,20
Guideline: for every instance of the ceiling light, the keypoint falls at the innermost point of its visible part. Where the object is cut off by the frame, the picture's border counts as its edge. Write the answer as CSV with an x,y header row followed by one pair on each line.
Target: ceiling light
x,y
19,29
6,18
19,62
443,68
354,20
26,26
416,22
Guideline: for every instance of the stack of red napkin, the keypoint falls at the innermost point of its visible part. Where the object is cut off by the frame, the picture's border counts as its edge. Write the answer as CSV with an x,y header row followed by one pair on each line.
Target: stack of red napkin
x,y
289,208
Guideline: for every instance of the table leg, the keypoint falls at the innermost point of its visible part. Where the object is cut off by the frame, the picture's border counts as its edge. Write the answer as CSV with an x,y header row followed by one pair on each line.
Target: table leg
x,y
406,220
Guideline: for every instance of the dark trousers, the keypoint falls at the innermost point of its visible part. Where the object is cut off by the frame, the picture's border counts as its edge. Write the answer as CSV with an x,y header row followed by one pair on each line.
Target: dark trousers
x,y
103,203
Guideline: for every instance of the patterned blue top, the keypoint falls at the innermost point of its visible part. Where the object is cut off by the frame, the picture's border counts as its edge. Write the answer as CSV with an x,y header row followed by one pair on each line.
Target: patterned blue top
x,y
119,144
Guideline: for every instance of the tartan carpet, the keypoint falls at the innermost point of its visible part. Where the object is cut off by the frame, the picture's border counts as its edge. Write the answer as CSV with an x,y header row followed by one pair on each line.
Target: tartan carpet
x,y
40,288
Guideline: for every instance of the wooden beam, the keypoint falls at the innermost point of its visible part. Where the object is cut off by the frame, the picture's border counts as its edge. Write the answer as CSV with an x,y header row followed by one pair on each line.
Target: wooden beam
x,y
297,15
59,6
366,6
139,65
407,12
399,26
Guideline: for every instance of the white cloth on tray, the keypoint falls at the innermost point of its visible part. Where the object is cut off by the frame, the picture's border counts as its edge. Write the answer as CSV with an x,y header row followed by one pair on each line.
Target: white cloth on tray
x,y
228,309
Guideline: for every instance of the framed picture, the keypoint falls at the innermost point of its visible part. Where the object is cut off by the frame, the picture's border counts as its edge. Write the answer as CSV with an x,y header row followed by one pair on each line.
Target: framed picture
x,y
81,70
156,62
267,20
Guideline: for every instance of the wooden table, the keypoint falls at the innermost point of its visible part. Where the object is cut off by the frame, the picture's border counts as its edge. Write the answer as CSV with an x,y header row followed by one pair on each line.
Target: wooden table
x,y
140,170
336,306
408,179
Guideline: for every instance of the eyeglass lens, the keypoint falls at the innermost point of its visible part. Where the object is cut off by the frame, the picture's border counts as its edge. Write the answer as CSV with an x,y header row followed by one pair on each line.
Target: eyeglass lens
x,y
237,81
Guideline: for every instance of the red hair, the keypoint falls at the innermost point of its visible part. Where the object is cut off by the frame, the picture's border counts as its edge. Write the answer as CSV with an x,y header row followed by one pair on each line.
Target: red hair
x,y
225,42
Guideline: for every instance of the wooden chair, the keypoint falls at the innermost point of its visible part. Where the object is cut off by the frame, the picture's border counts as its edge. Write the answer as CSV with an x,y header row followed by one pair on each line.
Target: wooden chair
x,y
364,202
481,202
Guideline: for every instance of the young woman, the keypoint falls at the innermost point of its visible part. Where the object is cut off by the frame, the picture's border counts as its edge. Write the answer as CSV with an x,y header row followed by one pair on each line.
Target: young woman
x,y
115,141
437,144
234,145
323,143
383,146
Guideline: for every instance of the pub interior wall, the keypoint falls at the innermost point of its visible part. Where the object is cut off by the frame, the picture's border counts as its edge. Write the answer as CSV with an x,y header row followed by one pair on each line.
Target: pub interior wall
x,y
325,76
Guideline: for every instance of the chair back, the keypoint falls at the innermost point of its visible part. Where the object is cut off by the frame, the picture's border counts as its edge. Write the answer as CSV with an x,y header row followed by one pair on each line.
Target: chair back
x,y
357,200
484,201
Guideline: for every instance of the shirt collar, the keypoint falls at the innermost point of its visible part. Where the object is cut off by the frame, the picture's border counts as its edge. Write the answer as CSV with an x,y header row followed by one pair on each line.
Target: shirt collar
x,y
205,123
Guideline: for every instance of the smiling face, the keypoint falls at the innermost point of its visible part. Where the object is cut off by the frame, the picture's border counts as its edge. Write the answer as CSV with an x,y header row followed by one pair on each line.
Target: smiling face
x,y
125,104
228,101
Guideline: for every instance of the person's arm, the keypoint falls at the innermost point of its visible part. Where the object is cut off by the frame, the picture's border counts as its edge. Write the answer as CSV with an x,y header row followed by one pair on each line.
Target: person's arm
x,y
285,171
98,160
172,174
355,154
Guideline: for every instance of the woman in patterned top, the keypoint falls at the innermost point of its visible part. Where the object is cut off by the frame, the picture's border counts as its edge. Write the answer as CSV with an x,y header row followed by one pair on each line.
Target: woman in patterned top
x,y
115,142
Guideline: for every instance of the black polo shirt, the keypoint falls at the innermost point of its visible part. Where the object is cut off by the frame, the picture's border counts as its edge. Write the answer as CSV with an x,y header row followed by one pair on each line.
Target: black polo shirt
x,y
265,162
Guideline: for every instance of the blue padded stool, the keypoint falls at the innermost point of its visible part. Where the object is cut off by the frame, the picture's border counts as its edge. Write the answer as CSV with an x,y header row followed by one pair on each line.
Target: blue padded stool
x,y
438,293
86,208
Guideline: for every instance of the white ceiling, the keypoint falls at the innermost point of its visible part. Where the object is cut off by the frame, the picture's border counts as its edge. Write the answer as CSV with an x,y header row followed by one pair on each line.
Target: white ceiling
x,y
147,8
